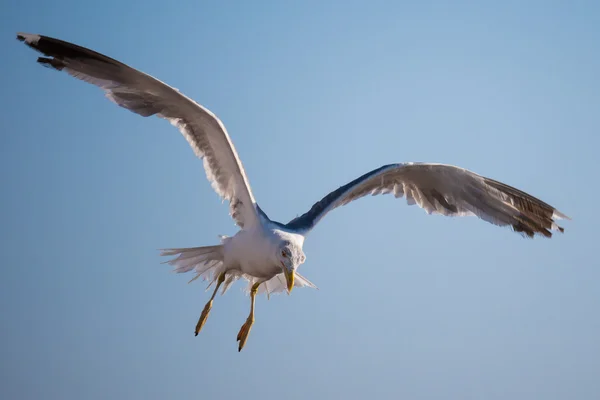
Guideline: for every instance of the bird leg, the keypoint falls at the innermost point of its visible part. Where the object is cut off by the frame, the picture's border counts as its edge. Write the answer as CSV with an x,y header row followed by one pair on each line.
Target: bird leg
x,y
245,329
208,305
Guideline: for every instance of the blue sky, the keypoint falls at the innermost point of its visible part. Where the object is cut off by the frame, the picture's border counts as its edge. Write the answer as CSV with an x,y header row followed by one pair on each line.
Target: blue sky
x,y
313,93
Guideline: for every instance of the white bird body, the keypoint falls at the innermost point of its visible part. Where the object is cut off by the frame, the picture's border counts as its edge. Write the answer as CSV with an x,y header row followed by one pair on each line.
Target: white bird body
x,y
264,252
251,252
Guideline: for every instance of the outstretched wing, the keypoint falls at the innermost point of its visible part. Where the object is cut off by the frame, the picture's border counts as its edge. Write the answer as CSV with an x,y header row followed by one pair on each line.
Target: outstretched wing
x,y
146,96
446,190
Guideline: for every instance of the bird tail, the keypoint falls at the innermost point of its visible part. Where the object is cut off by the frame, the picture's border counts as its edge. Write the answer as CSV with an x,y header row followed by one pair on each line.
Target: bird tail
x,y
206,262
277,284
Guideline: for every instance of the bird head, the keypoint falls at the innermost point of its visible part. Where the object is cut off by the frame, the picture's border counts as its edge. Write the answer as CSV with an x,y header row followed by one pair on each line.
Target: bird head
x,y
290,256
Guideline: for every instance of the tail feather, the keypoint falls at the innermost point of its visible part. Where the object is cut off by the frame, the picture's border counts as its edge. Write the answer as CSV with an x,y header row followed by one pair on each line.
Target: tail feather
x,y
187,264
278,284
206,261
189,250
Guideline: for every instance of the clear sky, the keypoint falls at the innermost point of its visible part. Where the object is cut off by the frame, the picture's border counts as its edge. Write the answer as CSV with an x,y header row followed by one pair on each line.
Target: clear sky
x,y
313,93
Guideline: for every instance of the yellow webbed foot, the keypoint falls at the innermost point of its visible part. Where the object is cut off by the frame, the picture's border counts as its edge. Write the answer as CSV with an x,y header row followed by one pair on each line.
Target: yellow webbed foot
x,y
203,317
244,332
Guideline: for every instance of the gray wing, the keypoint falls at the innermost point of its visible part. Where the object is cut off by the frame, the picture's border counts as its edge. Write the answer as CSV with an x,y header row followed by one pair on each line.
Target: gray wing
x,y
446,190
146,96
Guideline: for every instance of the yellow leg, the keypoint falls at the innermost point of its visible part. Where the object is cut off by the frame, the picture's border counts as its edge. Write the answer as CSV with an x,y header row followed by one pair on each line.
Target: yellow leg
x,y
245,329
208,305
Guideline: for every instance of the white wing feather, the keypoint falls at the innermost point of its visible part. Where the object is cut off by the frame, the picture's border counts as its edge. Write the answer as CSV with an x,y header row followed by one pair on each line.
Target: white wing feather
x,y
146,96
446,190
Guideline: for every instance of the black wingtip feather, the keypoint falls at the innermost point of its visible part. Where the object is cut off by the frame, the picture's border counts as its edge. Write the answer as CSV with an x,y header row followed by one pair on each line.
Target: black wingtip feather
x,y
60,49
51,63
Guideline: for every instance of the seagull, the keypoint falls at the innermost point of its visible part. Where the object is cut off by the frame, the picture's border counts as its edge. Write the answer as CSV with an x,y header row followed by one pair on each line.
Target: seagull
x,y
264,252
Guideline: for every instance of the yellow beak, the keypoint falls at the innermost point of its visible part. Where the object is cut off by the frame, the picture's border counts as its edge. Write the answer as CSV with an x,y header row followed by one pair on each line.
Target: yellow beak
x,y
289,277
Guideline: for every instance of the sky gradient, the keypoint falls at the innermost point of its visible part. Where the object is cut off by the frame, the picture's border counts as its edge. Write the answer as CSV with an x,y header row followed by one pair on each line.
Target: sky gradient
x,y
313,94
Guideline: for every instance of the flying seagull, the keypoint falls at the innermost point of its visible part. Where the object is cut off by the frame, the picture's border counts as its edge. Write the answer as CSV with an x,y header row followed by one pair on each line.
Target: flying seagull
x,y
264,252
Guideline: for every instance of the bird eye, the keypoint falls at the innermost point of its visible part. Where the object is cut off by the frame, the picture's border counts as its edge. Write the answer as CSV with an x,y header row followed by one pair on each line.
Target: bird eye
x,y
283,253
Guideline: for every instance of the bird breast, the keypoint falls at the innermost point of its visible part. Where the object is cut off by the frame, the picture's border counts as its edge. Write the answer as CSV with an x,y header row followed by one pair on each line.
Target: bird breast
x,y
253,253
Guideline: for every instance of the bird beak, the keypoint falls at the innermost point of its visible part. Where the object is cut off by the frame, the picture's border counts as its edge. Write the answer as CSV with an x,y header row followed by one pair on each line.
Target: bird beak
x,y
289,277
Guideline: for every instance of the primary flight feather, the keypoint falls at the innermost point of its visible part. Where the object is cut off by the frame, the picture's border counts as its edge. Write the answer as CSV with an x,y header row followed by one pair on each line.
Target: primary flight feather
x,y
264,252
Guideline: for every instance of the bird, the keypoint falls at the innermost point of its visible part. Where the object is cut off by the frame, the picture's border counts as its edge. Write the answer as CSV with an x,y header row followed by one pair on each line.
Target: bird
x,y
266,253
